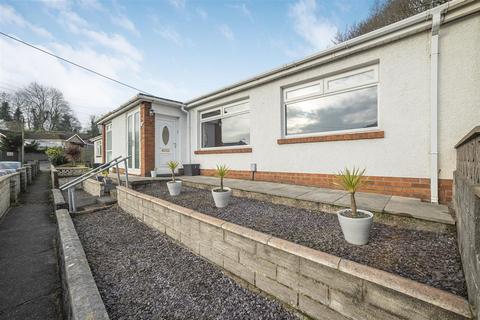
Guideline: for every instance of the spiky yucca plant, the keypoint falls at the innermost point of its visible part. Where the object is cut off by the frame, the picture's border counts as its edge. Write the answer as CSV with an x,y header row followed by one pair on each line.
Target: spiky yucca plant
x,y
221,172
351,181
172,165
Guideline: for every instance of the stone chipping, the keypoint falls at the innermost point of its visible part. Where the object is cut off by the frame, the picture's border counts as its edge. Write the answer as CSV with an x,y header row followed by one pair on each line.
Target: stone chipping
x,y
428,257
143,274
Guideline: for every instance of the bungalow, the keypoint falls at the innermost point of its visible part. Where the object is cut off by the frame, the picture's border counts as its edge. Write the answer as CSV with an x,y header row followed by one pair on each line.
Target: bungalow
x,y
395,101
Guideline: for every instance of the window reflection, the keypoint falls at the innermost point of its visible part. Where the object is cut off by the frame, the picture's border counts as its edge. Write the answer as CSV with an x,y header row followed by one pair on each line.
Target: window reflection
x,y
348,110
231,131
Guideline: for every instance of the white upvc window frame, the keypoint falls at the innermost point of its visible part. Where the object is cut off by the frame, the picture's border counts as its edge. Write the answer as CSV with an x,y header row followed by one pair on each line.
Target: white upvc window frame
x,y
98,148
325,93
132,114
222,115
108,128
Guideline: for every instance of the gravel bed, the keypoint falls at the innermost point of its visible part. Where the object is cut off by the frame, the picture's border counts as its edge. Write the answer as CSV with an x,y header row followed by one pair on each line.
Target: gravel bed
x,y
427,257
142,274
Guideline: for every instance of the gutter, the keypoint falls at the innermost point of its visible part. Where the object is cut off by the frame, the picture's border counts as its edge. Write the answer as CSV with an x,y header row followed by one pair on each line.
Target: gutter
x,y
392,32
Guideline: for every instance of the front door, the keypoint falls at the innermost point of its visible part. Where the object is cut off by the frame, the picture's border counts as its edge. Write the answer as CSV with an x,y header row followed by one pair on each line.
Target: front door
x,y
165,143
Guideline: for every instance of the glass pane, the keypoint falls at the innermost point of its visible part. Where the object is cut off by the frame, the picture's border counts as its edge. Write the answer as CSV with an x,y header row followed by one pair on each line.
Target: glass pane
x,y
232,131
352,81
165,135
211,114
236,108
129,140
349,110
316,88
137,140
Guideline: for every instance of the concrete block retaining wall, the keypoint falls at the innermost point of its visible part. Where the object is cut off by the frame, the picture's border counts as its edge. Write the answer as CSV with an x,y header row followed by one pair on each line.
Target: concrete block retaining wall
x,y
4,194
23,179
94,187
14,187
81,299
320,285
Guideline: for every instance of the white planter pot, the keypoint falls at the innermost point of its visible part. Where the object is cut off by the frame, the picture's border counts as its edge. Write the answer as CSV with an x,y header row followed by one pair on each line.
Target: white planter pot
x,y
355,230
174,187
153,173
221,198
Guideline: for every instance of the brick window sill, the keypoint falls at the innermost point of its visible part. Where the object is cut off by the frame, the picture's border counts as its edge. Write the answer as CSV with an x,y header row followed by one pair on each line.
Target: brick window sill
x,y
223,151
335,137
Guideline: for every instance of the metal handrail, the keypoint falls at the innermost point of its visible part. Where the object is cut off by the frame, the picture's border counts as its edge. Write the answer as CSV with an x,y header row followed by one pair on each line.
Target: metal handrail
x,y
70,186
90,173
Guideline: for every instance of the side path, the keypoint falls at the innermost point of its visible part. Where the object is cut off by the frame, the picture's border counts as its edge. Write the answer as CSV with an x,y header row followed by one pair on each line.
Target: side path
x,y
30,286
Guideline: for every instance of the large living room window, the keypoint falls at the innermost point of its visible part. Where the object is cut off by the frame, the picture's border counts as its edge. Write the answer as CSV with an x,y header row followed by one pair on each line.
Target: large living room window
x,y
344,102
228,125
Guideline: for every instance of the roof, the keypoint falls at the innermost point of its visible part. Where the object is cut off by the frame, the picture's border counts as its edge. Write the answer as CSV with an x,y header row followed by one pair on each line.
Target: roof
x,y
96,138
392,32
78,138
54,135
140,97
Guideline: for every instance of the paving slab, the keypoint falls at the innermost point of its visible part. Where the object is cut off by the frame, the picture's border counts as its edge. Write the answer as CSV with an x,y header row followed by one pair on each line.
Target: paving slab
x,y
418,209
367,201
322,195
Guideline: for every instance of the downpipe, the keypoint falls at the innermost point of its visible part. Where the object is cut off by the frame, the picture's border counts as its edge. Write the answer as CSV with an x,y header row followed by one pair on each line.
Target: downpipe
x,y
189,146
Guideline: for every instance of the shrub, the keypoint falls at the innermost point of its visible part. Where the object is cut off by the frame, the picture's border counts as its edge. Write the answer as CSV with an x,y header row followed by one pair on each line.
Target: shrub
x,y
221,172
172,165
56,155
32,147
73,153
351,181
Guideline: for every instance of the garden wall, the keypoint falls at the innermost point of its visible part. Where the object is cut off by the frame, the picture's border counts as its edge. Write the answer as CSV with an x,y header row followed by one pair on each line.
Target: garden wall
x,y
94,187
467,208
321,285
9,191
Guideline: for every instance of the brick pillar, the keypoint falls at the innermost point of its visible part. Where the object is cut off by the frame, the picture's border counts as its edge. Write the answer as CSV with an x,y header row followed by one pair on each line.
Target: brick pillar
x,y
147,139
104,144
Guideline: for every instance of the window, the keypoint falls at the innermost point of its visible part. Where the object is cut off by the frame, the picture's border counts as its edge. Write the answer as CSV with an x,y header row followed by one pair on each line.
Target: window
x,y
226,126
342,103
133,140
108,147
98,148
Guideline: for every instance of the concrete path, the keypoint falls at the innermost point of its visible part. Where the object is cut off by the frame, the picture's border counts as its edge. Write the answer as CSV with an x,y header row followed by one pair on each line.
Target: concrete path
x,y
370,201
30,286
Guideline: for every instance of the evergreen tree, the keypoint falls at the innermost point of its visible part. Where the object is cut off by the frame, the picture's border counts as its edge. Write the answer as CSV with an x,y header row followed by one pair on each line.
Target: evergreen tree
x,y
5,111
17,115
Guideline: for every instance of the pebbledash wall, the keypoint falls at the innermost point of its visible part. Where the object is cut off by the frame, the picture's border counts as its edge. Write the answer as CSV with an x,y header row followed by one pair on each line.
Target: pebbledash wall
x,y
397,154
320,285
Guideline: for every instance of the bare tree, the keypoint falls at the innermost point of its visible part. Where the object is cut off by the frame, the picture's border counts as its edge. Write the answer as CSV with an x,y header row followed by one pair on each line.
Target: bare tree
x,y
45,108
385,12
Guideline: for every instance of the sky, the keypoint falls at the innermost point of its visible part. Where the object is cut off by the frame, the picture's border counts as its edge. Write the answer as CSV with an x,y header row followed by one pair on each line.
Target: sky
x,y
177,49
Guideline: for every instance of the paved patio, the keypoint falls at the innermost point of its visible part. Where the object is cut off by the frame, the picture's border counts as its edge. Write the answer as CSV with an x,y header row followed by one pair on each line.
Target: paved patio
x,y
379,203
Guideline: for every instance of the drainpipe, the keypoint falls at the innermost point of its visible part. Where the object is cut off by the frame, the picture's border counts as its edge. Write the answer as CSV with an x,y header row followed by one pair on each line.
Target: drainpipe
x,y
189,151
434,53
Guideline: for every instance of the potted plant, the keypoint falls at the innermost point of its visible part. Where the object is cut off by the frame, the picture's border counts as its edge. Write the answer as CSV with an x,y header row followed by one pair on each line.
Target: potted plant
x,y
153,173
221,195
355,223
174,186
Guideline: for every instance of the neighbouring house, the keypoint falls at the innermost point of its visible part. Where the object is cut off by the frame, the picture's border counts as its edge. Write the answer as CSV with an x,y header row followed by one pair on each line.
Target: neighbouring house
x,y
395,101
97,149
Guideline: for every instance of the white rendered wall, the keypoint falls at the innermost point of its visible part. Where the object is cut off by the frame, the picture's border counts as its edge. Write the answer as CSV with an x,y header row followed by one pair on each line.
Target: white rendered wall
x,y
404,115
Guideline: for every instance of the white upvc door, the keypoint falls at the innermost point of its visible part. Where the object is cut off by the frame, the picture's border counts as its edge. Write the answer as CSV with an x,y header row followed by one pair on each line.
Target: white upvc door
x,y
133,140
165,142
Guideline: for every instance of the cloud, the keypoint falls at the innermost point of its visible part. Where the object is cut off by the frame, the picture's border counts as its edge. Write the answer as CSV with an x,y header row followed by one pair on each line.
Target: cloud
x,y
116,42
179,4
9,16
122,21
226,32
170,34
316,30
91,4
202,13
242,8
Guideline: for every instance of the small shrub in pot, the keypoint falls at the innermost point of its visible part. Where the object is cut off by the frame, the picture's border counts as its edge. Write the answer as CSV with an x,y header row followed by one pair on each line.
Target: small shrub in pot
x,y
355,223
174,186
221,195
